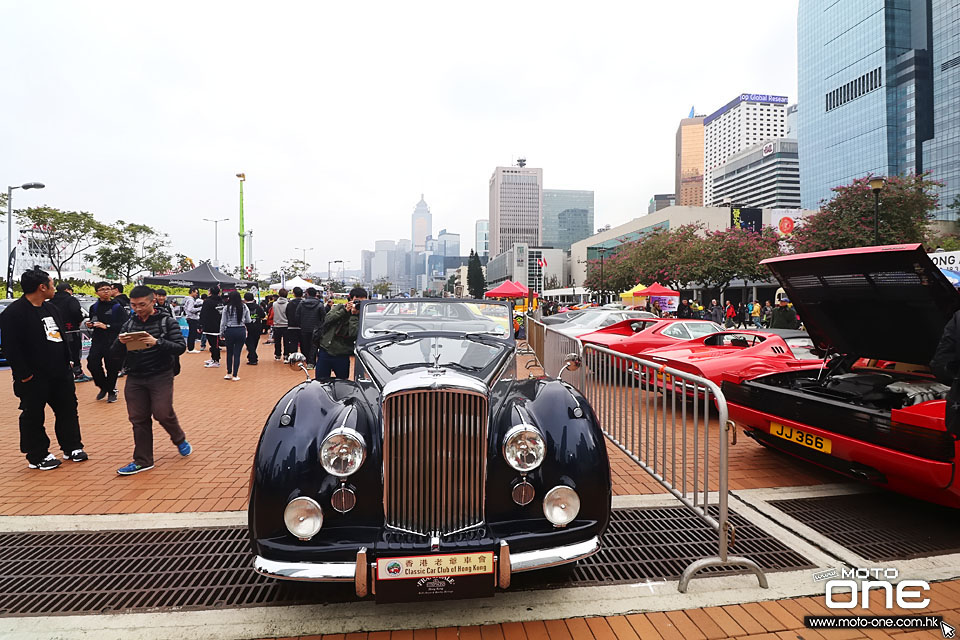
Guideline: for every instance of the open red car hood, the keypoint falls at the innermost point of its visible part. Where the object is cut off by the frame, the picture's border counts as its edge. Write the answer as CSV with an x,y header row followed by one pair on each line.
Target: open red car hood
x,y
887,302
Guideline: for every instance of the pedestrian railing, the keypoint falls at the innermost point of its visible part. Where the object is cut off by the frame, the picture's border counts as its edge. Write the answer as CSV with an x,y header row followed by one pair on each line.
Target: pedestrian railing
x,y
671,423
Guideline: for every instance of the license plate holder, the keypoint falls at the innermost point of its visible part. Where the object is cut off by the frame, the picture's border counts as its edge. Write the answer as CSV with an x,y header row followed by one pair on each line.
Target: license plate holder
x,y
432,577
801,437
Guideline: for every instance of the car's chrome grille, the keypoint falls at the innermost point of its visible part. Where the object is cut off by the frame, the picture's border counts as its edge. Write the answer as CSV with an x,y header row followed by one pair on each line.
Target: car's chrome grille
x,y
434,451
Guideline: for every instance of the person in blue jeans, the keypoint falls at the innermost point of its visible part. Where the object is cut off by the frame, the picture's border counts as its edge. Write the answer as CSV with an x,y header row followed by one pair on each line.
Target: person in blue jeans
x,y
232,327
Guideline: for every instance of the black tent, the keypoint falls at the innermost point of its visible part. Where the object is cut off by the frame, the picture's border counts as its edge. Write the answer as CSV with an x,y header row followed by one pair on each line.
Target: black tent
x,y
202,277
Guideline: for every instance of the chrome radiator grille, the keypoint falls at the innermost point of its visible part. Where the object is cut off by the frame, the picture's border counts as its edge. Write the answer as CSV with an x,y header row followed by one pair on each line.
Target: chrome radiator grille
x,y
435,452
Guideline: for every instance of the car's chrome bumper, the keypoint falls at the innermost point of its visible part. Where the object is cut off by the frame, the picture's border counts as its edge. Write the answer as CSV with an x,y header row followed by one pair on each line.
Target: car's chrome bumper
x,y
358,571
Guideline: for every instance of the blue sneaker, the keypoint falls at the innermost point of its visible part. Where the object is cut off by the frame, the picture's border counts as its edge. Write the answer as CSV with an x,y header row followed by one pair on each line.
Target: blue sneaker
x,y
184,448
132,468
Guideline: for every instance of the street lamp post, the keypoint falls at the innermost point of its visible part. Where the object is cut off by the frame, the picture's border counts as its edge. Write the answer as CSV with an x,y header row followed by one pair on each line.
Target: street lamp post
x,y
876,185
603,284
216,225
304,257
28,185
243,231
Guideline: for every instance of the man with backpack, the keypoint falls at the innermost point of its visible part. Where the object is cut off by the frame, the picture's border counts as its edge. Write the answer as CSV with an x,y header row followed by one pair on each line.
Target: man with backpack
x,y
107,316
150,343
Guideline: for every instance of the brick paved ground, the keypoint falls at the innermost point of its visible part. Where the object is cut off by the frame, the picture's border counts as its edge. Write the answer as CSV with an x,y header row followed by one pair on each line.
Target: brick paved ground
x,y
770,620
223,420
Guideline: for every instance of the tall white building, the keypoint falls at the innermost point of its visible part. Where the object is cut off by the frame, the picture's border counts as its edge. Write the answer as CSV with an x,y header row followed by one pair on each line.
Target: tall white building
x,y
516,207
747,120
421,225
483,238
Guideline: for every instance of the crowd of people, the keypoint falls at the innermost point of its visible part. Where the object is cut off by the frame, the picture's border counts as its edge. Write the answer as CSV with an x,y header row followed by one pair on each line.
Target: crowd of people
x,y
140,337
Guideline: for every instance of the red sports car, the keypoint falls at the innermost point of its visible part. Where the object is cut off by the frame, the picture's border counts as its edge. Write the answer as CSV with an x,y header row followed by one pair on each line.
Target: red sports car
x,y
859,414
747,353
639,335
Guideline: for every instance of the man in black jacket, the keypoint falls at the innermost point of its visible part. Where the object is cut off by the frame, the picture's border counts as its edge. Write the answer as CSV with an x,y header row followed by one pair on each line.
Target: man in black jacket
x,y
210,324
311,313
152,361
72,316
107,315
293,337
946,367
33,340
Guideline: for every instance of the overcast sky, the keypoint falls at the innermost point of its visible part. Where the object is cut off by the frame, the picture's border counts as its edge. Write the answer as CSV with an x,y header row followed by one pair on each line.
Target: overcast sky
x,y
341,114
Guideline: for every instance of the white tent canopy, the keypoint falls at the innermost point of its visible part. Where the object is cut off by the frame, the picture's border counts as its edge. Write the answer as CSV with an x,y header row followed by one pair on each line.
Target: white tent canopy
x,y
294,282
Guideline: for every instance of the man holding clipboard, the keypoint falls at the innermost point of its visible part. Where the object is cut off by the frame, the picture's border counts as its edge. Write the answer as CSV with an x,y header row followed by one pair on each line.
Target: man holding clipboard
x,y
151,343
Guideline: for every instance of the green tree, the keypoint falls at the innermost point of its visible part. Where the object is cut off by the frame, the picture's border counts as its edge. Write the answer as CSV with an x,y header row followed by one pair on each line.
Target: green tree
x,y
906,206
182,264
382,287
295,267
60,236
132,249
336,286
671,257
734,254
476,283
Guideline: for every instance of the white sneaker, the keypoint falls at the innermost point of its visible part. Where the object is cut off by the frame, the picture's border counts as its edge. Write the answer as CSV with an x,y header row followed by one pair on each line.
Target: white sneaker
x,y
212,365
235,378
226,377
195,351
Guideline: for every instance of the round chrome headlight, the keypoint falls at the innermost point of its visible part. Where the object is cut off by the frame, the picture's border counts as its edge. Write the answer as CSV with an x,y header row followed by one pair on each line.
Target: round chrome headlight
x,y
303,517
342,452
561,505
523,447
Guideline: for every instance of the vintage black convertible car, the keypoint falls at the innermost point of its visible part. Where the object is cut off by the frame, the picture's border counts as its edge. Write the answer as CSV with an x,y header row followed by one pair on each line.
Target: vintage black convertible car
x,y
438,472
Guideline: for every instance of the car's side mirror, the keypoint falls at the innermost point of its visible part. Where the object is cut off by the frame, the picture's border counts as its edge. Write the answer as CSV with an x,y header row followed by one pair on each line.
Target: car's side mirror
x,y
571,363
296,361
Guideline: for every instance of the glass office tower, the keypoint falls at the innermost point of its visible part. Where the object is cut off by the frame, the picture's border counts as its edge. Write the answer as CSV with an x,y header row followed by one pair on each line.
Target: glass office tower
x,y
864,83
942,153
567,217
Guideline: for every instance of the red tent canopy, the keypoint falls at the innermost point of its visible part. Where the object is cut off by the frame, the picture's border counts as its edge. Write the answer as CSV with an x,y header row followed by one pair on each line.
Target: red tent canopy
x,y
656,289
509,289
506,290
523,287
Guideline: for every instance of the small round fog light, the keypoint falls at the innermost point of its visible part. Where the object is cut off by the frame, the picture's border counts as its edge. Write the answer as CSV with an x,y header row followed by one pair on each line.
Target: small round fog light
x,y
523,493
303,517
561,505
343,500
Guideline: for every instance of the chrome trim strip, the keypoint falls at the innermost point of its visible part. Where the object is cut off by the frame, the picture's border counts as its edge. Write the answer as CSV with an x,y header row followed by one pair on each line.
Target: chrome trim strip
x,y
317,571
544,558
425,380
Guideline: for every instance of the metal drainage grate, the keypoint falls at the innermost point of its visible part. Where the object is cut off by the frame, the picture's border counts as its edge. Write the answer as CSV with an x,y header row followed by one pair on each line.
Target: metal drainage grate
x,y
114,571
874,525
658,544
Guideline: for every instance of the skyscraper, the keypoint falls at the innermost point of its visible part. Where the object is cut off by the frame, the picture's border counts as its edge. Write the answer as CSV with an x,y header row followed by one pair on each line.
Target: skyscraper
x,y
516,207
877,94
448,244
482,241
747,120
688,185
941,154
422,225
567,217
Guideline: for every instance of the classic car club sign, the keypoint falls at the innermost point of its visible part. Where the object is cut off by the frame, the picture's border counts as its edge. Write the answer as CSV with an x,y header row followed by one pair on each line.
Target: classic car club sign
x,y
435,577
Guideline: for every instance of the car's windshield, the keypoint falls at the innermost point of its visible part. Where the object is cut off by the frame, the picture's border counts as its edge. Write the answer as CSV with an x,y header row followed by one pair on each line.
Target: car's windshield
x,y
459,353
383,319
803,349
700,329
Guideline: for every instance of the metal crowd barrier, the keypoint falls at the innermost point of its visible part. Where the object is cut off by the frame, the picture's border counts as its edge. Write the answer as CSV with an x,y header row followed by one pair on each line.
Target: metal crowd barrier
x,y
661,419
